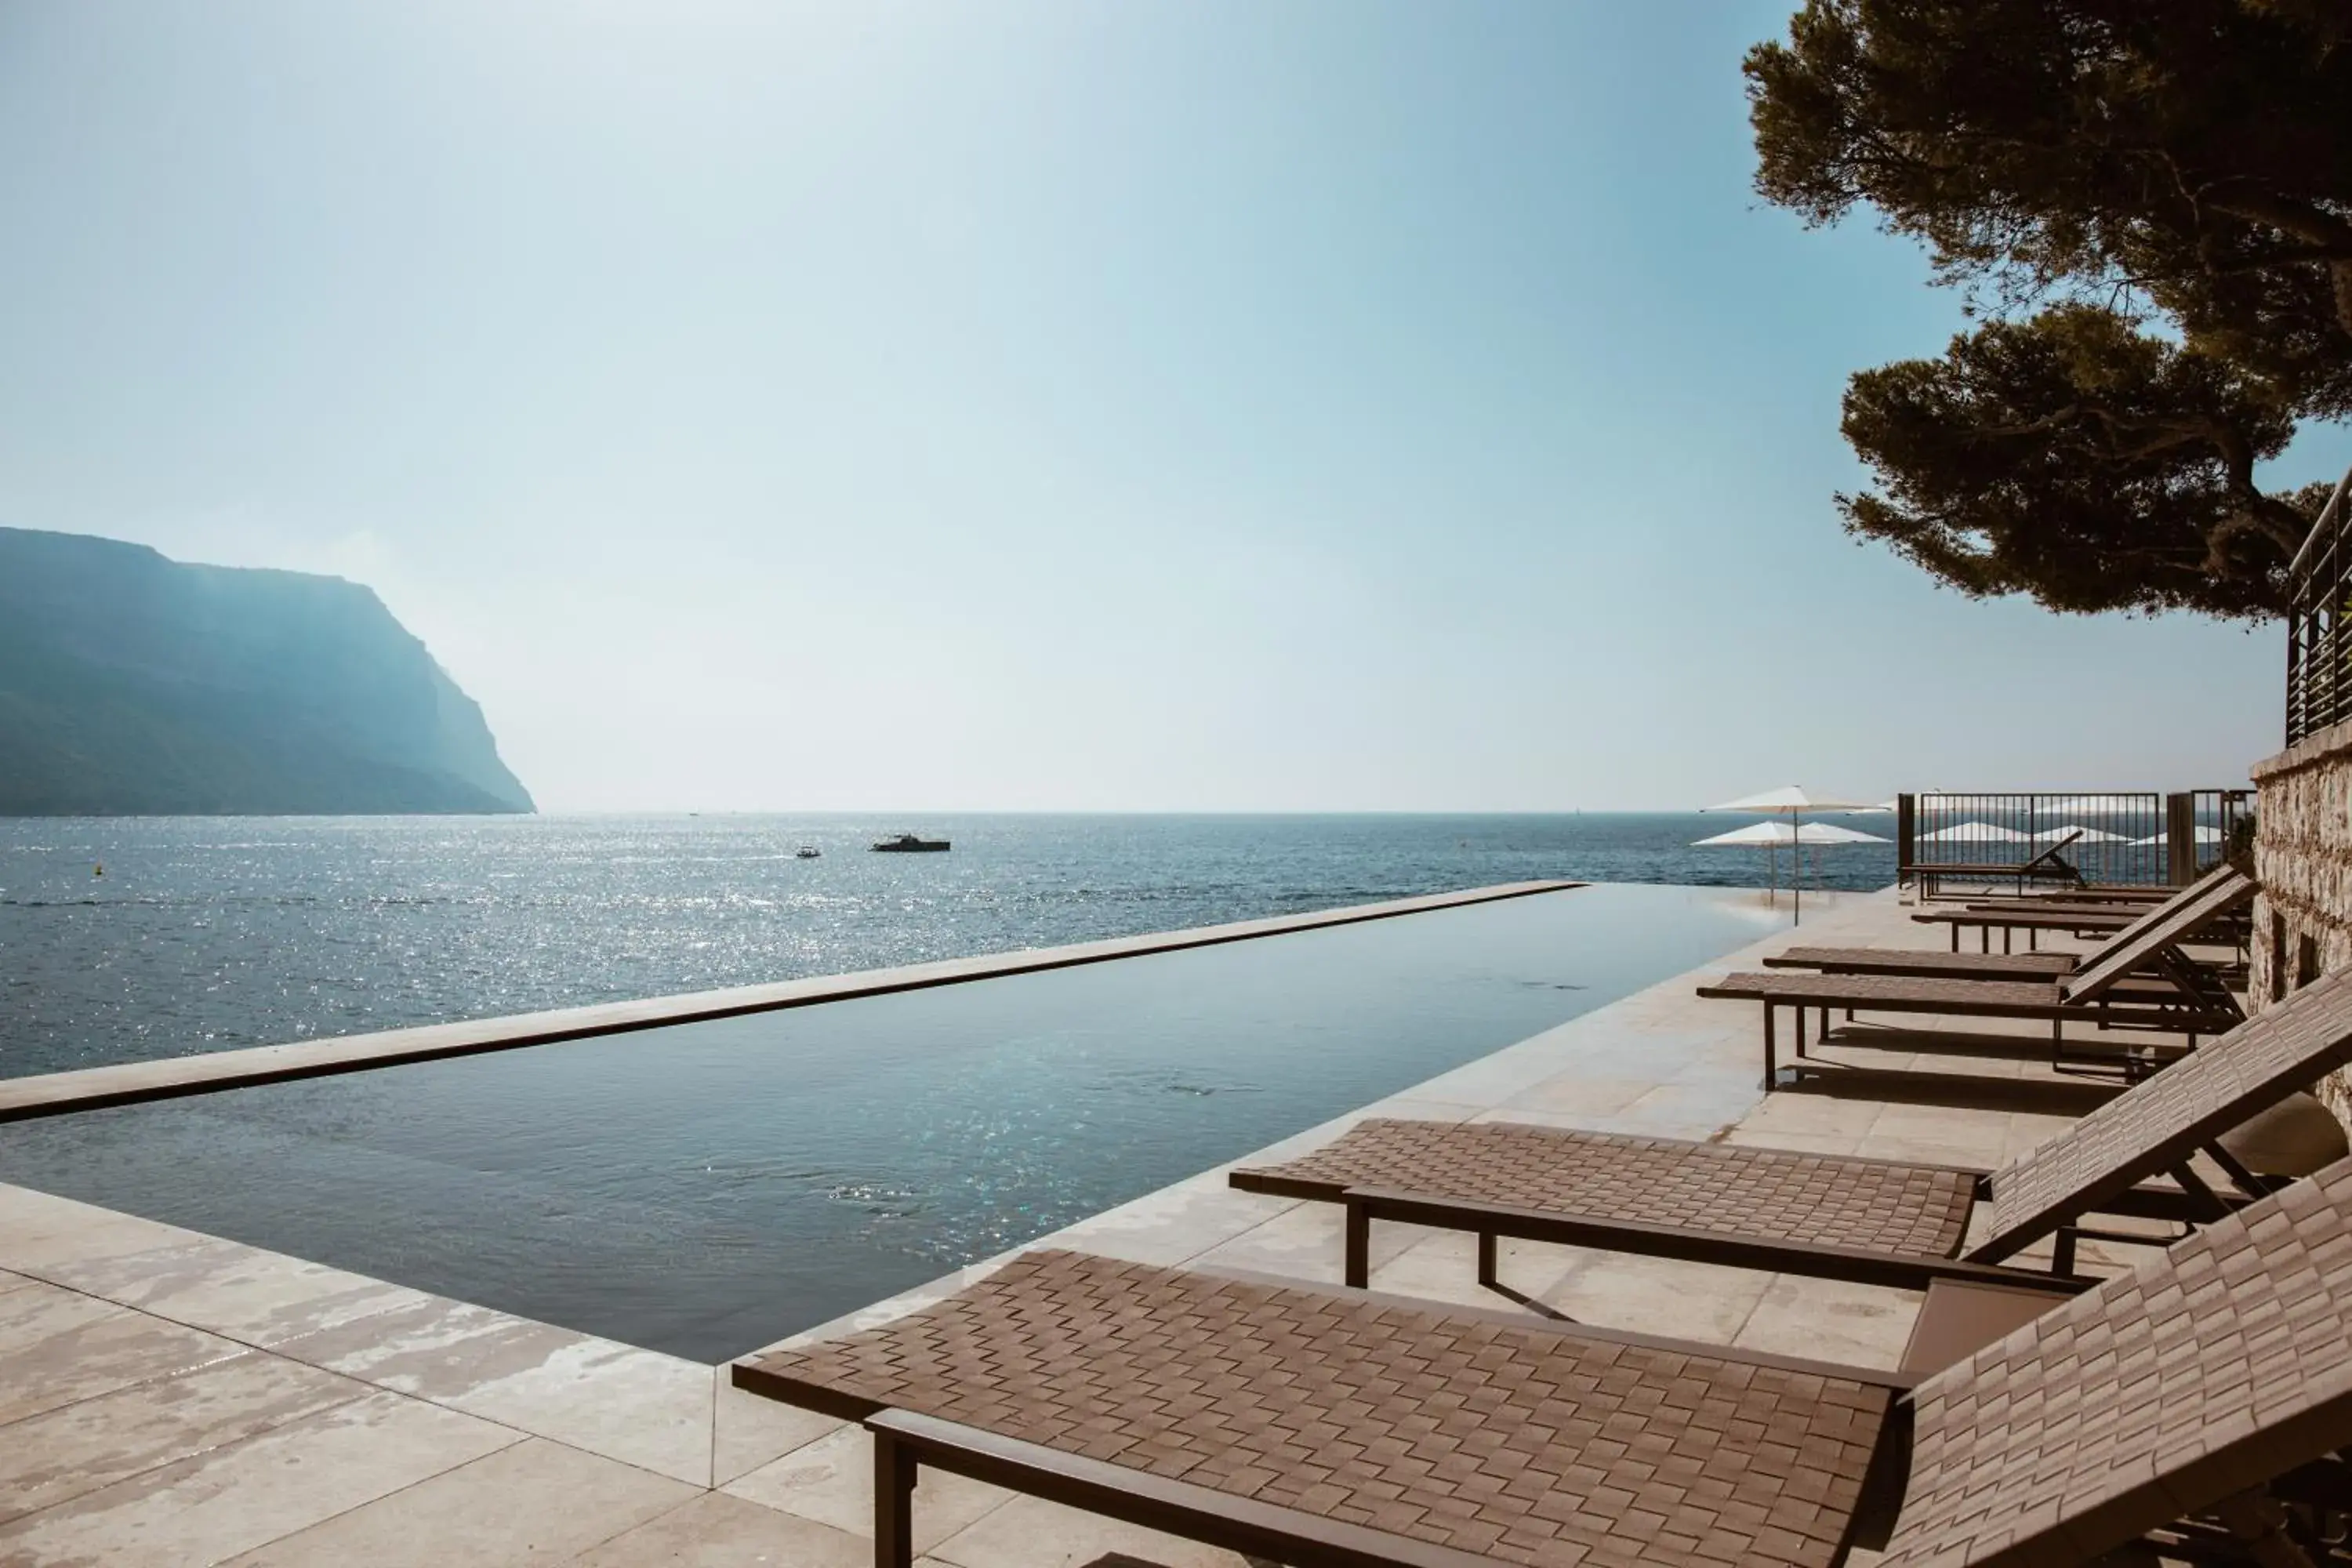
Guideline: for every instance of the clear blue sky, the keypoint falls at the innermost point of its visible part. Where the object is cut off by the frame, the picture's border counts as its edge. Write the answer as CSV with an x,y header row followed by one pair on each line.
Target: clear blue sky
x,y
1130,406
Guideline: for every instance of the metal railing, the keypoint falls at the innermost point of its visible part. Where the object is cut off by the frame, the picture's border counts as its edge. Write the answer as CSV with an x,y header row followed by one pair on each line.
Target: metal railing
x,y
2216,815
2319,622
2054,838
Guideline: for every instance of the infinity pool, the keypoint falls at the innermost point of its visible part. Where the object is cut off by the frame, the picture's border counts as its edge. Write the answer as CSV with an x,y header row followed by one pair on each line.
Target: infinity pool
x,y
707,1188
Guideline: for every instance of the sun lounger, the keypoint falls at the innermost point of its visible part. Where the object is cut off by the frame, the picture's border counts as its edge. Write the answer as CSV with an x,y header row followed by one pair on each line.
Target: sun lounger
x,y
2185,1011
2049,866
2108,922
2028,966
2191,1000
1332,1428
1833,1216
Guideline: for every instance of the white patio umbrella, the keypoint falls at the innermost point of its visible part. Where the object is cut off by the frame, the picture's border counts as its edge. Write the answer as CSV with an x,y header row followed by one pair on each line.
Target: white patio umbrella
x,y
2082,835
1974,832
1792,801
1769,835
2091,805
2204,836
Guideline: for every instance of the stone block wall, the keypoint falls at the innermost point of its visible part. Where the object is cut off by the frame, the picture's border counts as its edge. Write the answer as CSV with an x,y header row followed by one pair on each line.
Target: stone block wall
x,y
2303,859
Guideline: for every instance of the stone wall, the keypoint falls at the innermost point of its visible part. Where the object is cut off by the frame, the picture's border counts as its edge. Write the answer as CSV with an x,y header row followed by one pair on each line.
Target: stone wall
x,y
2303,859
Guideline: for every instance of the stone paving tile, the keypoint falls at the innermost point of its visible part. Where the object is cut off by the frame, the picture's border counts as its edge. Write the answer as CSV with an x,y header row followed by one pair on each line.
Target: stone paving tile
x,y
748,1431
1580,1096
76,1449
1984,1134
1681,1110
58,1346
1798,1142
1830,1319
1304,1242
636,1405
38,1229
250,1494
435,1348
832,1482
1655,1295
239,1291
1443,1266
1174,1224
531,1502
1819,1115
1573,1121
1918,1151
1030,1533
719,1530
1491,1080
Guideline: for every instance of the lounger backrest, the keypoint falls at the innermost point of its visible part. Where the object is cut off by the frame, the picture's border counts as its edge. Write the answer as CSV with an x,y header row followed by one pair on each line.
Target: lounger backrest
x,y
2052,856
2156,1124
2221,1363
2155,912
2174,921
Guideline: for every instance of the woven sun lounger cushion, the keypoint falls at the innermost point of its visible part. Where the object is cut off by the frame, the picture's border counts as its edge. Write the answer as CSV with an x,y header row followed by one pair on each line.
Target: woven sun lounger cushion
x,y
1734,1189
2224,1362
1527,1444
2158,1122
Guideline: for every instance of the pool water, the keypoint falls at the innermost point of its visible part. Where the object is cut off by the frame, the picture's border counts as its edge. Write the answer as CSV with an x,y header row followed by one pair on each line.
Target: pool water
x,y
707,1188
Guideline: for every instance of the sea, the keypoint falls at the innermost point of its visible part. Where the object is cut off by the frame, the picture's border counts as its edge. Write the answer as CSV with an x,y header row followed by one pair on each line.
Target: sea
x,y
130,939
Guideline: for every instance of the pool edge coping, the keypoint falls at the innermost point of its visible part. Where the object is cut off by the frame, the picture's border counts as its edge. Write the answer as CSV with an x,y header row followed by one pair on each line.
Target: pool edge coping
x,y
209,1072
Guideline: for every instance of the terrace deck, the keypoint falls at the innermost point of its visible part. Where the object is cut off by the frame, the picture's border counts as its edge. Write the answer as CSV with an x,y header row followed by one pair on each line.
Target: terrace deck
x,y
156,1385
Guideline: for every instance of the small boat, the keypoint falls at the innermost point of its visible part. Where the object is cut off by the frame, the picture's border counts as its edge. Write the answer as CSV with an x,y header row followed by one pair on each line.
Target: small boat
x,y
908,843
805,852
